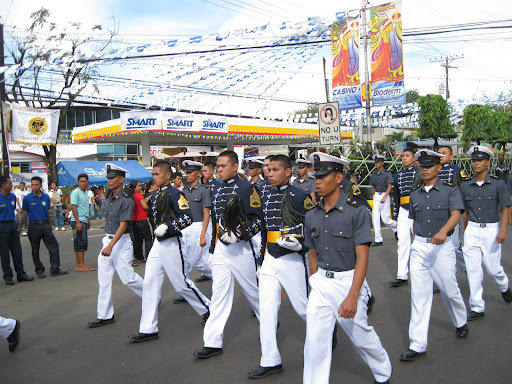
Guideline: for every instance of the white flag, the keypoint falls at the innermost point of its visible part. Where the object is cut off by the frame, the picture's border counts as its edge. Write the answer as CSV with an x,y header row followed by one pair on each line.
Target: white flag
x,y
34,126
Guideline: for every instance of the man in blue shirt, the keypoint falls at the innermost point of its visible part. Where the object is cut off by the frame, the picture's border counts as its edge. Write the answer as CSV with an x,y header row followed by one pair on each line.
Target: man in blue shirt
x,y
9,237
36,206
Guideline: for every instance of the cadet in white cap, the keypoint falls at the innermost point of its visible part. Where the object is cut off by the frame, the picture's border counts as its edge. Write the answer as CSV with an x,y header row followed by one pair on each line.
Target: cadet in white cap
x,y
305,181
254,172
117,249
338,233
381,181
436,209
198,235
484,196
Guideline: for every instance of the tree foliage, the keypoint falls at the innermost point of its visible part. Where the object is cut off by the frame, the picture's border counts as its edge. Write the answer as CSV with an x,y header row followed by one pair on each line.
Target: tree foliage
x,y
478,123
35,85
433,119
411,96
311,108
501,133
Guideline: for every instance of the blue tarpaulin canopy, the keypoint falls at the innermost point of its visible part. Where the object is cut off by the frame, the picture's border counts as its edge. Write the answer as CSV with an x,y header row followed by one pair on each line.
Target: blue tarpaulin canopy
x,y
68,171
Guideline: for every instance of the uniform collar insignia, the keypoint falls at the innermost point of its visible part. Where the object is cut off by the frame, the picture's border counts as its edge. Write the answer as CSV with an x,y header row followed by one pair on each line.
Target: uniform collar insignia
x,y
231,180
283,187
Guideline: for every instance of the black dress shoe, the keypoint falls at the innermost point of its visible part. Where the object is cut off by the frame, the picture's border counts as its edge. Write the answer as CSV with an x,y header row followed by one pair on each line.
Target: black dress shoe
x,y
462,332
374,244
396,236
334,337
507,296
371,301
473,315
261,372
382,382
410,355
202,278
179,300
41,275
25,278
101,322
142,337
9,281
398,283
14,338
205,318
59,272
207,352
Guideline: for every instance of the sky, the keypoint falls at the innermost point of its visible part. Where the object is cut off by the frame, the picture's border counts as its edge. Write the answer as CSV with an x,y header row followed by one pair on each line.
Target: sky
x,y
484,68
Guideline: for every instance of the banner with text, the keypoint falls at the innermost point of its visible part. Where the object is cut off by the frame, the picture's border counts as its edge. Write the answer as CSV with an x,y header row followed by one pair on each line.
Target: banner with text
x,y
172,122
34,126
346,88
387,84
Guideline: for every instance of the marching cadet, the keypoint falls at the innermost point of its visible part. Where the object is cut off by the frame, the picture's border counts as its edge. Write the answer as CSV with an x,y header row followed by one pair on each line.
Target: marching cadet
x,y
436,209
117,249
284,264
403,185
237,212
338,233
197,237
254,172
381,182
454,175
266,185
209,181
484,196
172,215
305,181
10,330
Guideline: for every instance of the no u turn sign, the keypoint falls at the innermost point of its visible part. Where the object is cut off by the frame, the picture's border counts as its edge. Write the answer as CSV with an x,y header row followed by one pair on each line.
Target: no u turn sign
x,y
329,123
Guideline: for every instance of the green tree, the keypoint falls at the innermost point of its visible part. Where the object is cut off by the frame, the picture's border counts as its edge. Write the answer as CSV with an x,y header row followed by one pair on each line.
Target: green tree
x,y
37,87
502,128
433,119
312,108
411,96
477,122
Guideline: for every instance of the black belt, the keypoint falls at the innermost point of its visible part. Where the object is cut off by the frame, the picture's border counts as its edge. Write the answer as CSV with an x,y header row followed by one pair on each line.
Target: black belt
x,y
38,221
7,221
112,236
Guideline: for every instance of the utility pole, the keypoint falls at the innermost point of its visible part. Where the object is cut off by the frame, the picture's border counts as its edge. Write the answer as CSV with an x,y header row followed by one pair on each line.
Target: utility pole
x,y
5,152
367,74
445,62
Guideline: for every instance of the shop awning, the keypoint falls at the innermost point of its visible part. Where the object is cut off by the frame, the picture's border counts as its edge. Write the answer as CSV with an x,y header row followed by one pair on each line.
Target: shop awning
x,y
68,171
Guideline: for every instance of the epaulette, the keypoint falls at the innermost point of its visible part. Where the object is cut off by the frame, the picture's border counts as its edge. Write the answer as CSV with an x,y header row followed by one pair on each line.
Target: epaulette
x,y
448,184
494,177
414,187
128,192
354,202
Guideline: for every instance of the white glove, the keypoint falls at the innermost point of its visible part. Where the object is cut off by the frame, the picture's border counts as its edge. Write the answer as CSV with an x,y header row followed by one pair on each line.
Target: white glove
x,y
210,260
161,230
229,238
290,243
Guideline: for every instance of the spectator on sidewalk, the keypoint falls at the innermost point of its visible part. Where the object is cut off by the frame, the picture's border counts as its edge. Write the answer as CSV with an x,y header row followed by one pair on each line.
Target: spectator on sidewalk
x,y
20,193
140,226
80,222
56,200
99,198
93,208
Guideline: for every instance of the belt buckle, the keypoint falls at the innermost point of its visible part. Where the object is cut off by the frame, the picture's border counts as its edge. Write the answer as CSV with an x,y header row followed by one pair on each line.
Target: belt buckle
x,y
482,225
329,274
429,240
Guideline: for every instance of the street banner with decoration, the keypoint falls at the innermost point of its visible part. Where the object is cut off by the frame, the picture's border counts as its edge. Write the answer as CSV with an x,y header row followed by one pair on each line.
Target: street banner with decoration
x,y
346,88
387,84
34,126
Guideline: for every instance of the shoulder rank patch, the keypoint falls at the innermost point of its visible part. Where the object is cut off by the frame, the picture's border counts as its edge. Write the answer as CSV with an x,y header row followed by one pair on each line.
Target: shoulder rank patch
x,y
183,202
308,203
463,173
447,183
354,202
255,200
355,190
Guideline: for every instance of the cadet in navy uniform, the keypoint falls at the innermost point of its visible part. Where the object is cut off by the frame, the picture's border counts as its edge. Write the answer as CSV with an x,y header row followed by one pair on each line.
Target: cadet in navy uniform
x,y
266,185
172,215
304,181
198,236
36,206
381,182
209,181
9,237
436,209
254,172
501,170
338,233
454,175
234,255
284,264
484,196
403,184
117,249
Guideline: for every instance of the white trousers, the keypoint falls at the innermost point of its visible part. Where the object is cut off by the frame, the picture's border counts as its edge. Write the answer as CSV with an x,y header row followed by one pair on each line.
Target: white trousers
x,y
230,263
381,211
196,256
325,299
480,245
432,264
120,261
404,229
291,273
6,327
165,258
459,255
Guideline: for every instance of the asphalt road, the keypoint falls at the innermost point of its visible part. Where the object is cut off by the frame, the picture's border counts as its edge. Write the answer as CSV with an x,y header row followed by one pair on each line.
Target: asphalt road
x,y
58,347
